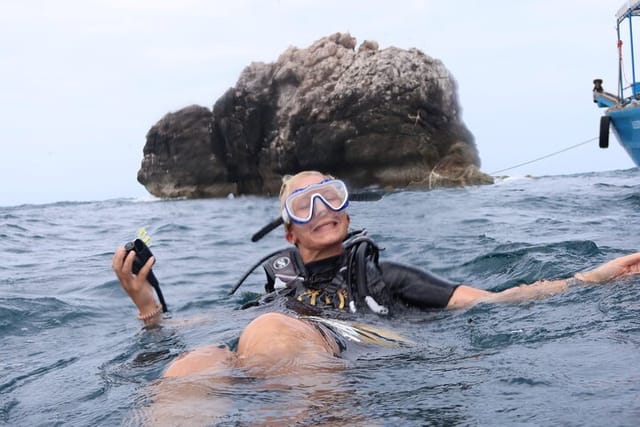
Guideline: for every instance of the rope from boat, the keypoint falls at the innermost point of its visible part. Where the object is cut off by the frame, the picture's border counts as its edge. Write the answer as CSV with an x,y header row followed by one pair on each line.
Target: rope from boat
x,y
546,156
621,69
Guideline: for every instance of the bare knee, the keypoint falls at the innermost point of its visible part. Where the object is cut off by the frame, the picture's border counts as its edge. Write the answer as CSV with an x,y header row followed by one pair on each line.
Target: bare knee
x,y
205,360
275,337
268,333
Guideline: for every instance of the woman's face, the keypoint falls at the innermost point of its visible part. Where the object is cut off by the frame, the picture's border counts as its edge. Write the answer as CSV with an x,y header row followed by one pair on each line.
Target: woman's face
x,y
323,235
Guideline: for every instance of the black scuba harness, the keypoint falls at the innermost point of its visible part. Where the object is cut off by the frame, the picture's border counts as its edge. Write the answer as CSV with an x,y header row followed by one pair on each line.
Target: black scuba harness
x,y
350,287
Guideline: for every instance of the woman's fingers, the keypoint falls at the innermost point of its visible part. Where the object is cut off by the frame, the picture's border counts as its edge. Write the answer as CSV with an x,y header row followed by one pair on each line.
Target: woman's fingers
x,y
127,266
118,259
146,268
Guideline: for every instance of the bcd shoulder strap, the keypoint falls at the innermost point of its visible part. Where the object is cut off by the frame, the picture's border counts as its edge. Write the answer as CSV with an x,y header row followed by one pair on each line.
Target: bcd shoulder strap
x,y
282,268
362,273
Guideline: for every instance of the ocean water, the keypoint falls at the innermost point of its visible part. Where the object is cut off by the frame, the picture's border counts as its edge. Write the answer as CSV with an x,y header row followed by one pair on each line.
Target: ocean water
x,y
73,353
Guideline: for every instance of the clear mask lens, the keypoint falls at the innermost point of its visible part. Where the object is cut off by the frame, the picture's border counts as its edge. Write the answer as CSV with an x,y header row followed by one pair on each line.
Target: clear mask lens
x,y
300,204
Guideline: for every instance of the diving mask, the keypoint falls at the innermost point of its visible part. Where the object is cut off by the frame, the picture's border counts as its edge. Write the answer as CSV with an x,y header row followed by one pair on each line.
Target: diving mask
x,y
299,206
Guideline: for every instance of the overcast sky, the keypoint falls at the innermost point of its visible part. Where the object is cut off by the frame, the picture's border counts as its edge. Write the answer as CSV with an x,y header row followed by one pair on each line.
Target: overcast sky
x,y
82,81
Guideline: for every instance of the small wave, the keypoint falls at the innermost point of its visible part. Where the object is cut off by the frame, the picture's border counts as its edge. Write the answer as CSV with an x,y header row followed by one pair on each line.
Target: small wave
x,y
632,200
16,227
8,216
38,206
517,262
526,381
171,228
28,316
20,380
5,409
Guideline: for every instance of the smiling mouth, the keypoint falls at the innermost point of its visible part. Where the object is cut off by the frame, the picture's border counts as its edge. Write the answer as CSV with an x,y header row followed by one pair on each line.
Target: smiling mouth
x,y
324,224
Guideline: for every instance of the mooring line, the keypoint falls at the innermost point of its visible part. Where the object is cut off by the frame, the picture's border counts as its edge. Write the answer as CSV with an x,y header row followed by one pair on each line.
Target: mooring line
x,y
545,156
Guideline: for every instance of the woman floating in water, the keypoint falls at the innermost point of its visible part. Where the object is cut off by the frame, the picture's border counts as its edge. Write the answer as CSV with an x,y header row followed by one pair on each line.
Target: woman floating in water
x,y
331,273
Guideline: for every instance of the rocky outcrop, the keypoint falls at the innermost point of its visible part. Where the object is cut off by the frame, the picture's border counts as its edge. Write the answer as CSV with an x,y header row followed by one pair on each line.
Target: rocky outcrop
x,y
179,158
387,118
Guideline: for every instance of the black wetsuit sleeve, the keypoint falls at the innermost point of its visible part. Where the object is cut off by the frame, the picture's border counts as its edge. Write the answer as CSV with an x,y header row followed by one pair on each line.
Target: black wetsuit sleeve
x,y
415,287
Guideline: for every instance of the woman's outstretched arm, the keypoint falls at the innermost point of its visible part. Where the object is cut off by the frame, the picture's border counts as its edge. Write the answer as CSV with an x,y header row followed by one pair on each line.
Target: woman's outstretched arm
x,y
466,296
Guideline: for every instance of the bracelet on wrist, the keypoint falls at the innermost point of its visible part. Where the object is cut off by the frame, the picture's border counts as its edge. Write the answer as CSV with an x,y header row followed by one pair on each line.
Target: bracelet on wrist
x,y
151,314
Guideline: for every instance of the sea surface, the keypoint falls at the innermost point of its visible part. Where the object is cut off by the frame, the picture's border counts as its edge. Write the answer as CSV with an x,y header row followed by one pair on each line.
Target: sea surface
x,y
73,353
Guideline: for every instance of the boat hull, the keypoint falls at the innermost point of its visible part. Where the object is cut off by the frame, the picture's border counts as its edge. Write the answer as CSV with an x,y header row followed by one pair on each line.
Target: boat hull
x,y
625,123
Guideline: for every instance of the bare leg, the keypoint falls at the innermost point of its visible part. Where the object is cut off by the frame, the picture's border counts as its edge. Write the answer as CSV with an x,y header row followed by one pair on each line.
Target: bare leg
x,y
190,391
270,342
296,357
275,343
272,345
209,360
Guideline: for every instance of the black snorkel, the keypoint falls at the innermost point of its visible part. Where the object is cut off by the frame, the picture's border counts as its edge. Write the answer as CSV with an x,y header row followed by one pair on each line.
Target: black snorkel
x,y
256,265
267,229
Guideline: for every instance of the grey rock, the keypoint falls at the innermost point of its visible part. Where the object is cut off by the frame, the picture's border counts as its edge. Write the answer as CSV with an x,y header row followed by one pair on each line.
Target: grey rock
x,y
388,118
179,160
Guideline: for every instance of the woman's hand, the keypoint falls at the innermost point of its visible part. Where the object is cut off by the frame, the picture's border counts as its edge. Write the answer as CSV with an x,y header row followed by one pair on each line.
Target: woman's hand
x,y
135,285
625,265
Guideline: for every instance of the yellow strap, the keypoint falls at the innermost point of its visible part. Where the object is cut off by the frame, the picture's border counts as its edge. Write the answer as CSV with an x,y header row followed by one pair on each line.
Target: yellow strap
x,y
314,295
341,297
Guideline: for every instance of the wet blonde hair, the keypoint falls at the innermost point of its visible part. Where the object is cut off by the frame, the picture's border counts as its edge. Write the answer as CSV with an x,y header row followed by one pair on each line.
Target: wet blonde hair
x,y
286,190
